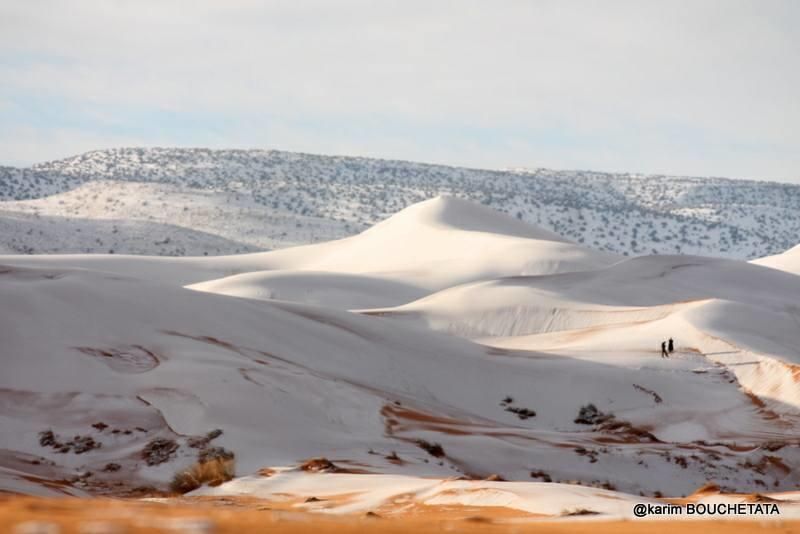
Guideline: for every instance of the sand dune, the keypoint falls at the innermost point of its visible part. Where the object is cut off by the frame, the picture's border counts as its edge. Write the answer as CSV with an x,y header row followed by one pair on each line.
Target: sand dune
x,y
477,345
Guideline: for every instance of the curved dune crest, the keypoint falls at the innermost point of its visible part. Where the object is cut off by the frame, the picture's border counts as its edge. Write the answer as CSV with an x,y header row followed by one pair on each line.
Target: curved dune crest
x,y
788,261
336,290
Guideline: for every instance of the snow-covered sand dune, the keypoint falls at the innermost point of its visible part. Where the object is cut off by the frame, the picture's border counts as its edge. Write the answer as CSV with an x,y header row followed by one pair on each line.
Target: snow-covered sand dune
x,y
432,245
637,289
479,345
336,290
788,261
397,495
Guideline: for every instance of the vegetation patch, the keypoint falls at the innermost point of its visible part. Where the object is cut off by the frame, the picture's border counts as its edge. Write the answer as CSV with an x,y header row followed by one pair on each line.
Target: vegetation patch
x,y
200,442
213,467
522,413
590,415
320,465
434,449
78,444
159,450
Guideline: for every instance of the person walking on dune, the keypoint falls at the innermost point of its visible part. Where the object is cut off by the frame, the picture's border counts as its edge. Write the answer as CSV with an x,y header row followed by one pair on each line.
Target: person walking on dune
x,y
670,346
664,353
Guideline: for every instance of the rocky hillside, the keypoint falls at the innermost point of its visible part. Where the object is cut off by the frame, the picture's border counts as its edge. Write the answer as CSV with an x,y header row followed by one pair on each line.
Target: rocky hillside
x,y
256,199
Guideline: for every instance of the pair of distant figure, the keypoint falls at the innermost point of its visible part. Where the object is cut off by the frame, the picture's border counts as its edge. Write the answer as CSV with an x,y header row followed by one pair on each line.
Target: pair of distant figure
x,y
666,348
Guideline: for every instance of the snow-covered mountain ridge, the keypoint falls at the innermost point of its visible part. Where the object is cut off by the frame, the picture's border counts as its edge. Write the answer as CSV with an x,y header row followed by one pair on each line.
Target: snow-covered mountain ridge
x,y
245,200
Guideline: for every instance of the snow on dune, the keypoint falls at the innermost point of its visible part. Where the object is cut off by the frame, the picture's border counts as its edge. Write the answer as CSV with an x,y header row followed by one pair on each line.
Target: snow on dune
x,y
217,360
739,315
638,289
451,213
395,495
287,381
113,351
379,493
429,246
446,241
788,261
336,290
17,481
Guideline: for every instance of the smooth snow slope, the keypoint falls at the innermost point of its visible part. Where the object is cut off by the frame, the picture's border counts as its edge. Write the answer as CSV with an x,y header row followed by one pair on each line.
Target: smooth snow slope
x,y
638,288
737,314
336,290
788,261
741,317
429,246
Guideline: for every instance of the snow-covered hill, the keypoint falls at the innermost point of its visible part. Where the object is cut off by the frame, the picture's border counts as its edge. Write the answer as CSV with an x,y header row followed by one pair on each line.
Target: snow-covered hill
x,y
492,348
263,199
430,246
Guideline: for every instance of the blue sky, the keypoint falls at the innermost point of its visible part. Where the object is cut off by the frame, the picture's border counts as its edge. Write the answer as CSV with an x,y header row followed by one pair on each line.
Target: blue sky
x,y
692,87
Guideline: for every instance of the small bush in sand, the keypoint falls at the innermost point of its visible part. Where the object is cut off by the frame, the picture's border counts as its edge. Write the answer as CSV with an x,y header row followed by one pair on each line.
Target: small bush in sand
x,y
215,453
159,450
319,465
112,467
47,438
394,458
199,442
213,468
578,511
541,475
434,449
522,413
590,415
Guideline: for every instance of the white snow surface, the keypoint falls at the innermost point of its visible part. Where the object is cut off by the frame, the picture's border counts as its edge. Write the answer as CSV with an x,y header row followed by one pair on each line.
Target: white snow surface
x,y
788,261
374,492
471,331
396,494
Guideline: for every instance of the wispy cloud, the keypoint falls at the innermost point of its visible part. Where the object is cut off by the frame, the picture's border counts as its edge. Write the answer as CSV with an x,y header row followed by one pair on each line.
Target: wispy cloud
x,y
686,87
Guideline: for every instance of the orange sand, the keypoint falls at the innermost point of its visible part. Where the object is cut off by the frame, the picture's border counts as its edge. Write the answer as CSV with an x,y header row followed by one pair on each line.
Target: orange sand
x,y
237,515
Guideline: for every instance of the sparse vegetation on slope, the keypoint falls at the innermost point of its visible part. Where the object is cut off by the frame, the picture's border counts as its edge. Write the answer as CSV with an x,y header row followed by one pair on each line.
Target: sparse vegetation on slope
x,y
307,198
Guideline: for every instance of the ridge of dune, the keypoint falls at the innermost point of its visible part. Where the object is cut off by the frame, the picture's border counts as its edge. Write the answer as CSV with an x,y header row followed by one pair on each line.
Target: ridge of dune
x,y
431,245
788,261
446,212
337,290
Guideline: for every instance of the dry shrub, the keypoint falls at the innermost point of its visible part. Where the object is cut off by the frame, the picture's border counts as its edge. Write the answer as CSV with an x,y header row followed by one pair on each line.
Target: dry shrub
x,y
434,449
319,465
159,450
627,431
578,512
708,487
541,474
590,415
212,471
